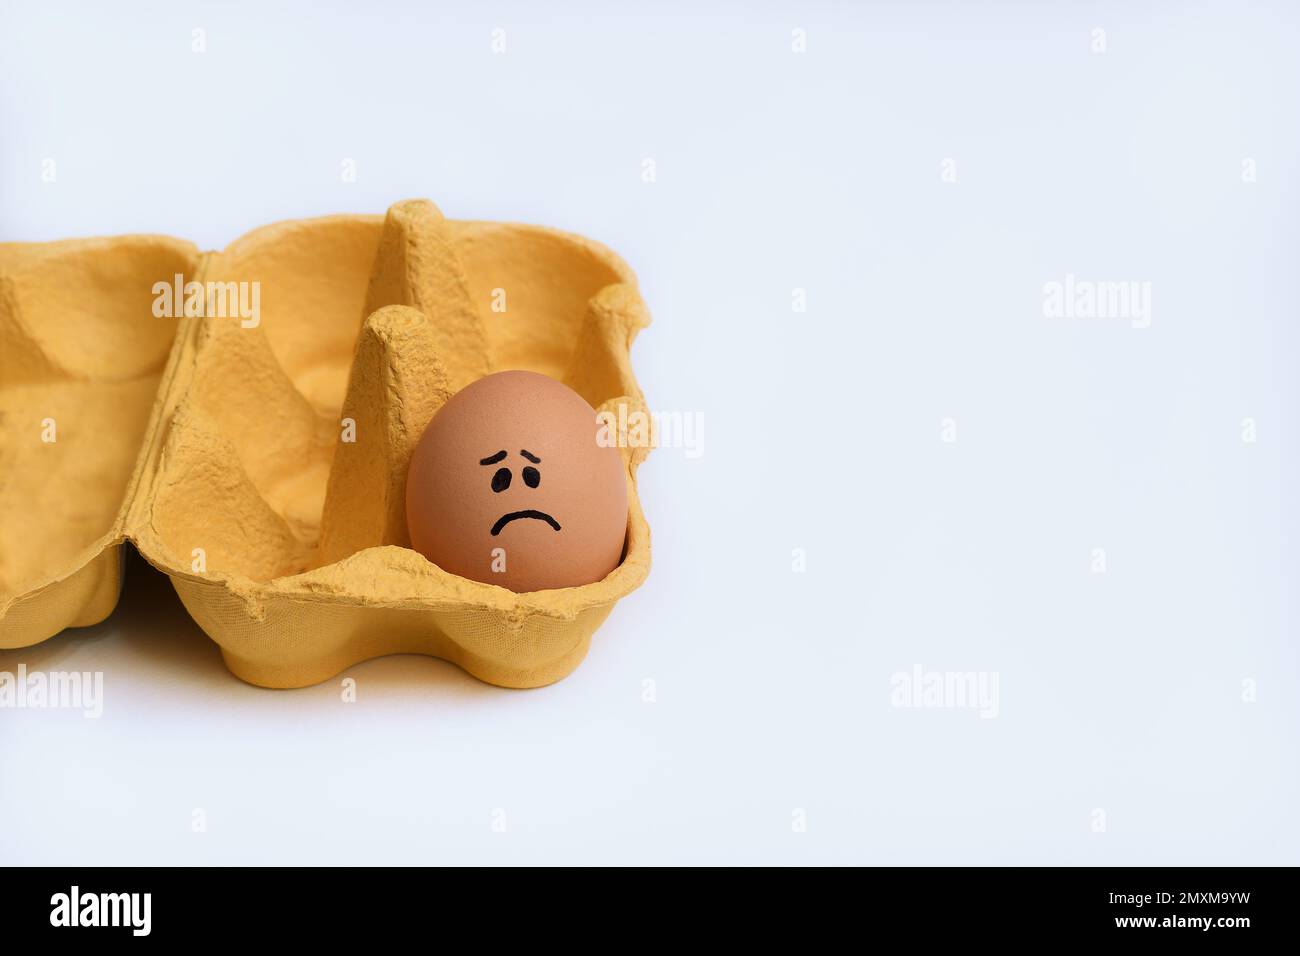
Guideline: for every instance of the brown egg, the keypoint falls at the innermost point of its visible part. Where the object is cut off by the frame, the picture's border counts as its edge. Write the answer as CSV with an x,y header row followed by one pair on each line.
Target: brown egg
x,y
510,486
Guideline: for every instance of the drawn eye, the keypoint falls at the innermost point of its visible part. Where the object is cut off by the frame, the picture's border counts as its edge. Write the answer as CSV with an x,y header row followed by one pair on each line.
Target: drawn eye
x,y
532,477
501,480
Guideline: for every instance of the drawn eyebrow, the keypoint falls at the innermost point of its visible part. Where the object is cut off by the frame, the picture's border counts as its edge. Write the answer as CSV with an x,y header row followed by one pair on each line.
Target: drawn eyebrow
x,y
533,458
493,459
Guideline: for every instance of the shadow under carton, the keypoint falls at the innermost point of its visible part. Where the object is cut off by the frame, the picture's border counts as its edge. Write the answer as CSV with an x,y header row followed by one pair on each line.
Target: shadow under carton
x,y
258,457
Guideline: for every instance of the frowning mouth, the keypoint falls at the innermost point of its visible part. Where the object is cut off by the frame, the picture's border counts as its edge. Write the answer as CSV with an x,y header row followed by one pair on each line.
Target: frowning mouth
x,y
539,515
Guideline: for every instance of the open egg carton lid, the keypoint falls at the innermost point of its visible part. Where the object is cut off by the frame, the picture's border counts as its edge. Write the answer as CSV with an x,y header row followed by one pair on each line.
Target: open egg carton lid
x,y
246,417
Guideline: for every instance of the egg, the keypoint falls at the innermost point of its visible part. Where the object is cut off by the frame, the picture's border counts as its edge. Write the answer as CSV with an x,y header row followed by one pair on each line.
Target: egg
x,y
510,484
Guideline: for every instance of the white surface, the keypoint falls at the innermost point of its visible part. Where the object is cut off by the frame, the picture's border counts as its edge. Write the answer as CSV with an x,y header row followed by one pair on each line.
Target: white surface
x,y
1120,691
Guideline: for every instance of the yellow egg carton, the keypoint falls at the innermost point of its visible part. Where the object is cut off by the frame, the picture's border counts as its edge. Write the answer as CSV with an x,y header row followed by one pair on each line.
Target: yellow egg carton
x,y
245,418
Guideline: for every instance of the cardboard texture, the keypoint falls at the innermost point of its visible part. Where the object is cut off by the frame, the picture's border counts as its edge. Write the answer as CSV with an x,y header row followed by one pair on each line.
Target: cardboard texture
x,y
263,466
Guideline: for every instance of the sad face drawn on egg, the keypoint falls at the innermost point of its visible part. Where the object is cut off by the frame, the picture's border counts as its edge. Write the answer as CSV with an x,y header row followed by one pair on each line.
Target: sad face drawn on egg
x,y
510,485
501,480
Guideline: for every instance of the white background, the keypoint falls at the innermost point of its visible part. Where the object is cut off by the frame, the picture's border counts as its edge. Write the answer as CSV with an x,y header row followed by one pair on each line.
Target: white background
x,y
1120,692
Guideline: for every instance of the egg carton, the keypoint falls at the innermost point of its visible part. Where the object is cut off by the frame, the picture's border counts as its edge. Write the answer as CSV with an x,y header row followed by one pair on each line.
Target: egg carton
x,y
255,448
